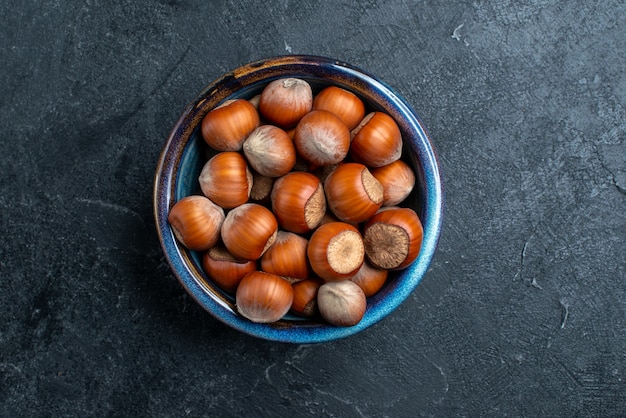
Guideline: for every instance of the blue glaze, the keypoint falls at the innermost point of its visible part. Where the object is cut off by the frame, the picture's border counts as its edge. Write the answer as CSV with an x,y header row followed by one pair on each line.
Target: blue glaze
x,y
184,155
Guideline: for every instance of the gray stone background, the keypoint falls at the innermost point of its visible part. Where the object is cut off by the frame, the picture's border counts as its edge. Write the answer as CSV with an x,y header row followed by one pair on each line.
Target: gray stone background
x,y
523,312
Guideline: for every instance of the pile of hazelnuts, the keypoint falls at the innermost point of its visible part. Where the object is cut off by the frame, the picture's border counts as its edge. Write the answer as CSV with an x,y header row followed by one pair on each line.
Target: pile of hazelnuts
x,y
300,205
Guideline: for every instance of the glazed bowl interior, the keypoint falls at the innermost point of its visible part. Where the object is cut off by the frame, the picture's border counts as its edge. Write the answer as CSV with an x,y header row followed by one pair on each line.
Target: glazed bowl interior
x,y
186,152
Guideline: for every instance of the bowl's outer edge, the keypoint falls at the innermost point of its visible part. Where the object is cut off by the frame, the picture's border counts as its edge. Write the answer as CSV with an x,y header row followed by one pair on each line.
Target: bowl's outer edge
x,y
226,86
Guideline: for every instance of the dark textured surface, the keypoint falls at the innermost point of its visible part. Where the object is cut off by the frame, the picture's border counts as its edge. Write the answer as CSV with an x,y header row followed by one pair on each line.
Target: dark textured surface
x,y
523,312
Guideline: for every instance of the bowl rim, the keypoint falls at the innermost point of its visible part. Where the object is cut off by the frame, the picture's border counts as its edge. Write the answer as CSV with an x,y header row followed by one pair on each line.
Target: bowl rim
x,y
261,72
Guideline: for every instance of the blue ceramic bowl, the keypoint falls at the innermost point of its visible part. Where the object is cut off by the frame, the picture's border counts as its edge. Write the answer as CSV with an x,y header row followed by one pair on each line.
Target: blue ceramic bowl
x,y
183,157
